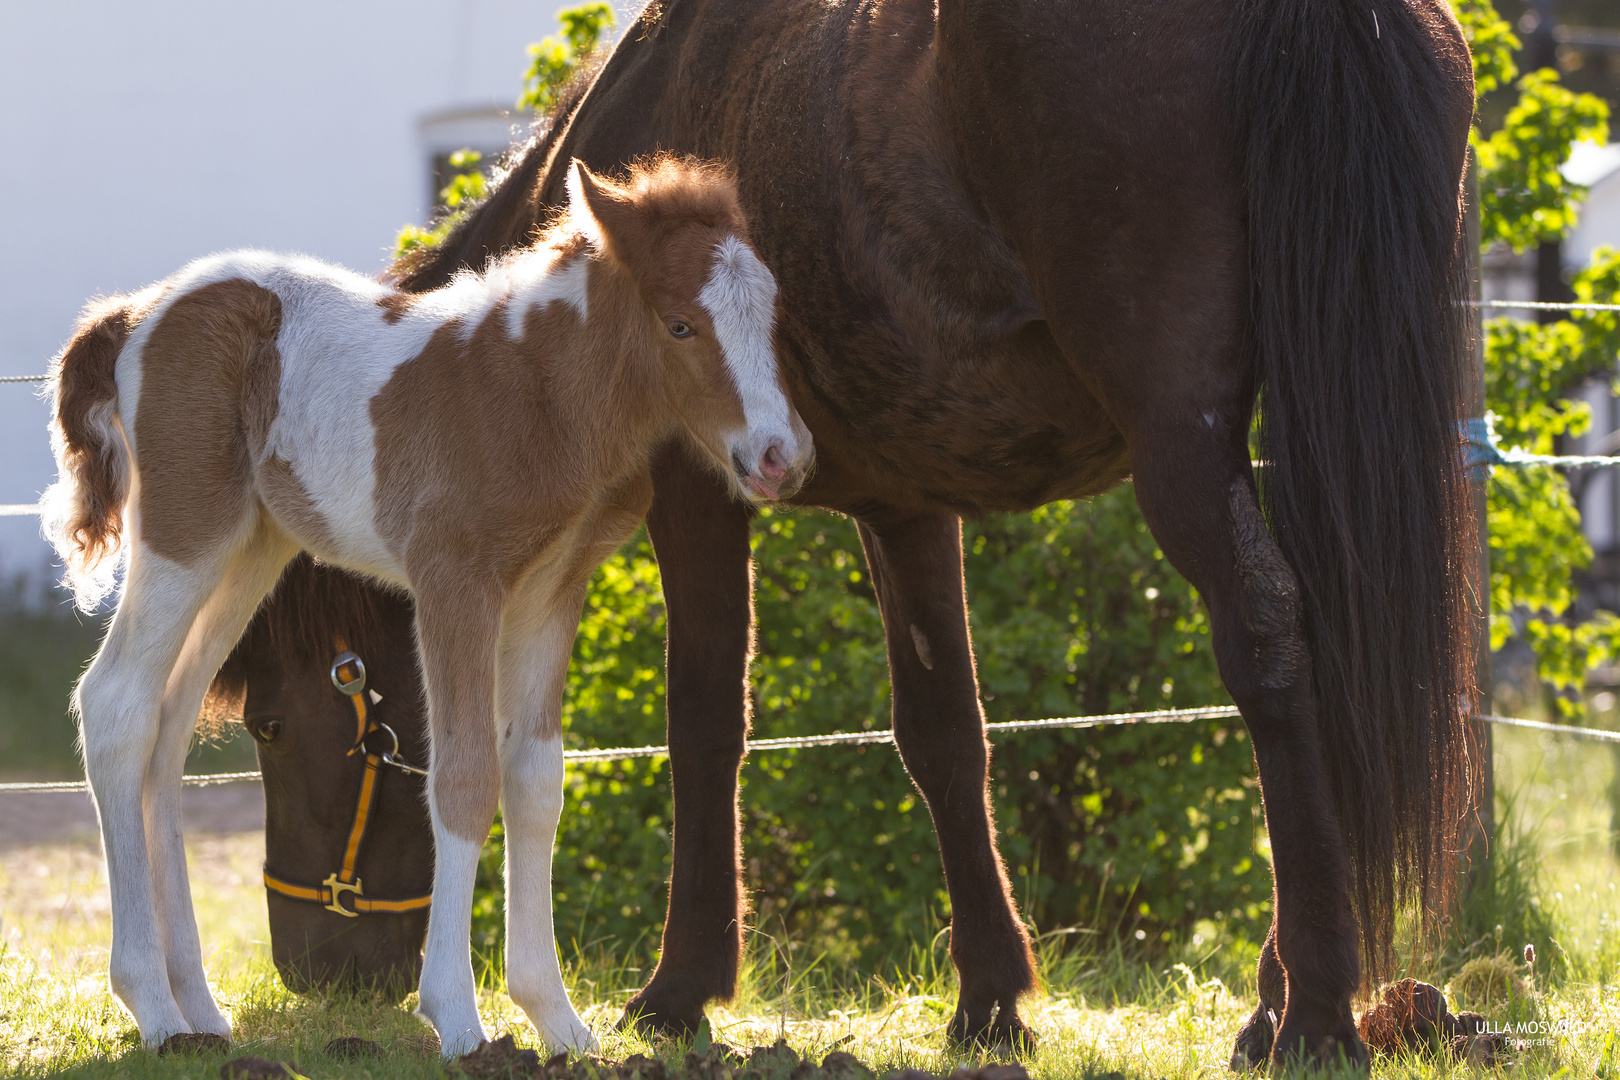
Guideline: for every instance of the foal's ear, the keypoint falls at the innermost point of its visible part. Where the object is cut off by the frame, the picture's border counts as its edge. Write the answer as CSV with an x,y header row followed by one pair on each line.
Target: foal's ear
x,y
606,214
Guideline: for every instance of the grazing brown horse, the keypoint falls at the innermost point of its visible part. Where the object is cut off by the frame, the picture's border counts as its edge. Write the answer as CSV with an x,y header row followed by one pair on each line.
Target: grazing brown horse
x,y
322,775
1027,249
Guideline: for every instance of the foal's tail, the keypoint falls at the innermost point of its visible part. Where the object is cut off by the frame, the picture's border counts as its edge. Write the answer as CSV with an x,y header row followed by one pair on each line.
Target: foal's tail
x,y
83,512
1354,117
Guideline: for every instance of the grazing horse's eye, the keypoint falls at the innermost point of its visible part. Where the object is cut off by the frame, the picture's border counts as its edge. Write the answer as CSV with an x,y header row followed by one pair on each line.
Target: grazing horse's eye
x,y
680,328
267,731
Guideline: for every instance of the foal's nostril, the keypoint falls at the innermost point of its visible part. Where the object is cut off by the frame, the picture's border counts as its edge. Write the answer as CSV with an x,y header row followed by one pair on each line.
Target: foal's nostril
x,y
772,465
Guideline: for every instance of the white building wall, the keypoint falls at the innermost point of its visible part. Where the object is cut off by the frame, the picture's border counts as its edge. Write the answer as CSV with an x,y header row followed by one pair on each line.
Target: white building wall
x,y
135,137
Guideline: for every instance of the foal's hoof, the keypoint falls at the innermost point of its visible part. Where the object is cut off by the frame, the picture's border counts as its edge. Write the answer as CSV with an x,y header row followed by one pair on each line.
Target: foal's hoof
x,y
195,1042
1004,1036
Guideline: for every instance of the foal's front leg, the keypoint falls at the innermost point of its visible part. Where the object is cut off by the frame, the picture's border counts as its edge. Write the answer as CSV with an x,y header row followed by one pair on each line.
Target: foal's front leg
x,y
457,625
532,669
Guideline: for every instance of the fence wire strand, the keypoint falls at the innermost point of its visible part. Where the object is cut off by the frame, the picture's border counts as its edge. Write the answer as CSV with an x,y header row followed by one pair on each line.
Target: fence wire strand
x,y
866,738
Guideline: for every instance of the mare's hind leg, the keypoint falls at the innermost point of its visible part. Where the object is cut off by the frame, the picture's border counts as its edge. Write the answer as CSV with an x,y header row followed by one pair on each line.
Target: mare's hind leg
x,y
119,702
458,629
1195,489
916,564
250,575
531,670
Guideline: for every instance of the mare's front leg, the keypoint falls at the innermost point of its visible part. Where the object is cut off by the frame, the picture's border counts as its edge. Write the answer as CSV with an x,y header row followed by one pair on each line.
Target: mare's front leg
x,y
536,641
916,563
701,536
458,628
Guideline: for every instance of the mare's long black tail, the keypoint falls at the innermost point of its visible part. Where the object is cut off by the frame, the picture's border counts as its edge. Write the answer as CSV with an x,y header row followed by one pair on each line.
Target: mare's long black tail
x,y
1354,116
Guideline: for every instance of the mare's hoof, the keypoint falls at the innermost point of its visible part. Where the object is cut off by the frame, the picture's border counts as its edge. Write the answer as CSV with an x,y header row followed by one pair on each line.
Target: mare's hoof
x,y
1336,1047
1253,1046
1004,1036
351,1046
655,1024
257,1068
195,1042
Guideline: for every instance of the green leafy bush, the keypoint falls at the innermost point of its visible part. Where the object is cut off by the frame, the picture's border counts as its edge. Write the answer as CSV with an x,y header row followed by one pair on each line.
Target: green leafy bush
x,y
1075,610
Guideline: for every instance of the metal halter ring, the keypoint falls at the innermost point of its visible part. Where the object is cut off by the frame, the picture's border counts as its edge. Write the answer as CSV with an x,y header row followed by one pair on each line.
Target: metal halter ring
x,y
348,686
391,756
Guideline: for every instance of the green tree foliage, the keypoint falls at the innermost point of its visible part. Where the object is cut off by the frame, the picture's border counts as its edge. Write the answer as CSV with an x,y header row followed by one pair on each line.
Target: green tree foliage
x,y
1524,198
552,62
1536,538
466,186
1531,370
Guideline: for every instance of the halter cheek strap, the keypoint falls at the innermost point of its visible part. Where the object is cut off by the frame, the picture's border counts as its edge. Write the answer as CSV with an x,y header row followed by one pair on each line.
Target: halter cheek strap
x,y
349,676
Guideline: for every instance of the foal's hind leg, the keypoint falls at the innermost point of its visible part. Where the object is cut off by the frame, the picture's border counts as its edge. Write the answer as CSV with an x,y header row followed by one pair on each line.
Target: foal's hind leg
x,y
536,641
251,574
119,702
916,566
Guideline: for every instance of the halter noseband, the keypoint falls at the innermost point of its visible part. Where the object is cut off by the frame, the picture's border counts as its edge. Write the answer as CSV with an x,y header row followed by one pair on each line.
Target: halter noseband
x,y
349,677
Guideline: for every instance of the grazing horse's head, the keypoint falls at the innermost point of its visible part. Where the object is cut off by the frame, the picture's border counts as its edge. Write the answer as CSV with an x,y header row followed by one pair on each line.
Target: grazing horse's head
x,y
678,230
305,728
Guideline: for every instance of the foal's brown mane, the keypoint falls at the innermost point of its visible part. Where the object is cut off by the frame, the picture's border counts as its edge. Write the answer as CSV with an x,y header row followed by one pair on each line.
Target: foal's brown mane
x,y
672,188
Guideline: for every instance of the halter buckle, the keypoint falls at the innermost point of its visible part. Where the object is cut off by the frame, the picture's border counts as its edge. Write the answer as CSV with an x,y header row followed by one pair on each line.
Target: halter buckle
x,y
338,888
352,686
391,756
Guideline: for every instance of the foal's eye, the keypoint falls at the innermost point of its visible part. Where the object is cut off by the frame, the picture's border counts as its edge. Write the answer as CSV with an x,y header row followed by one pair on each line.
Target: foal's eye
x,y
267,731
680,328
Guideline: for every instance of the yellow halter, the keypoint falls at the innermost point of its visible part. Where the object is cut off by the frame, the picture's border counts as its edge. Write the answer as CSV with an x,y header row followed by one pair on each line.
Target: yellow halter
x,y
349,676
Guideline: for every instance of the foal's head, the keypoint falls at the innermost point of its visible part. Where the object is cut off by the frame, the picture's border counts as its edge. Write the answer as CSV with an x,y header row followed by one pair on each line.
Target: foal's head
x,y
678,230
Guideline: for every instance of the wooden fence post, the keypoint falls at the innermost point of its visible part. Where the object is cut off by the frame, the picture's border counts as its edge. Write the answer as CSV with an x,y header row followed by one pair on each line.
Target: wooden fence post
x,y
1483,836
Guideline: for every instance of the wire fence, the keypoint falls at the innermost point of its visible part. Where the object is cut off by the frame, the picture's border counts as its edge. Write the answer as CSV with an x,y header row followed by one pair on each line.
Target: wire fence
x,y
1481,448
867,738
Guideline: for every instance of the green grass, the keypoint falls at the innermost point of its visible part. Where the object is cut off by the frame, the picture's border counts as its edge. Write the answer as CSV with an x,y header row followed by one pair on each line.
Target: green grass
x,y
1102,1009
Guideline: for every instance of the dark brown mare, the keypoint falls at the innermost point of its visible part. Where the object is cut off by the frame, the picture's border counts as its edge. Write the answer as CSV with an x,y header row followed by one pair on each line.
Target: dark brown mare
x,y
1027,250
280,676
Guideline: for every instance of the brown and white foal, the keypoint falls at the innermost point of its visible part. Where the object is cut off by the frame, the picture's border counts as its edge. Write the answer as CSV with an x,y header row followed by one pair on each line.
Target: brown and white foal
x,y
484,446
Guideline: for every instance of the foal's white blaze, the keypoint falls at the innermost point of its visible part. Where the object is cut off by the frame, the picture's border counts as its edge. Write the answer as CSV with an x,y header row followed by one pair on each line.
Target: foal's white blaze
x,y
740,297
